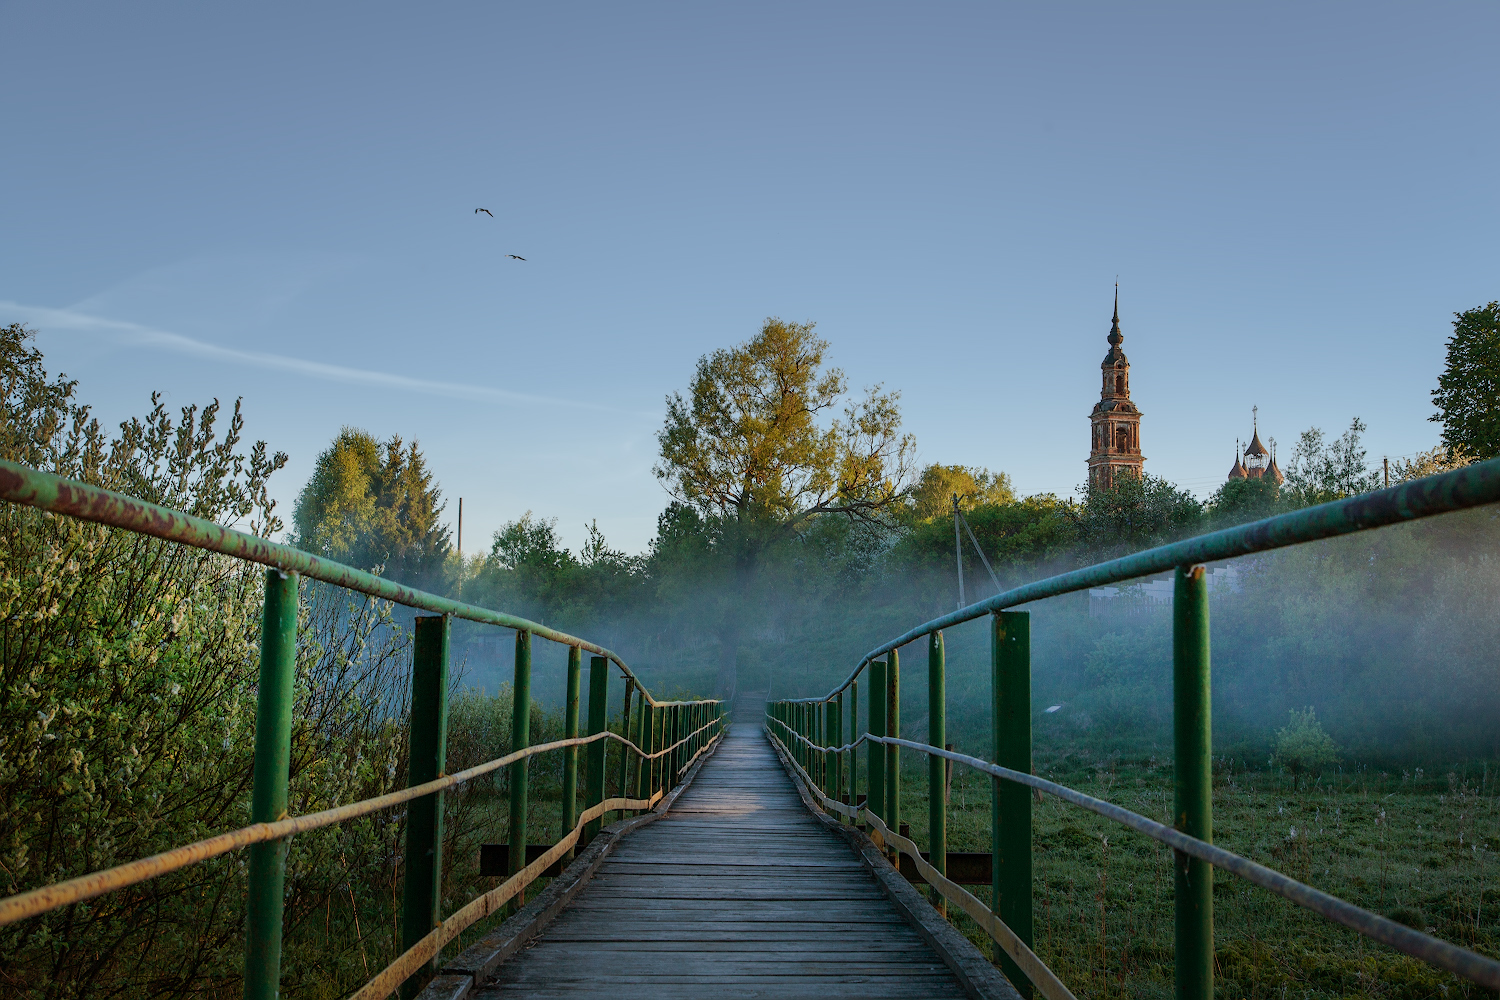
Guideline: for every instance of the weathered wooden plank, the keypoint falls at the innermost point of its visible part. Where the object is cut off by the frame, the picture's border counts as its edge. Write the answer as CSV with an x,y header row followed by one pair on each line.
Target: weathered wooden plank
x,y
737,892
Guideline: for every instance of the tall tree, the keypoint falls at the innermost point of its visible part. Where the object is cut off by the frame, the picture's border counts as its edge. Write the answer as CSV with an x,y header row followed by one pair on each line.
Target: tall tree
x,y
755,450
1468,392
1323,469
375,504
1136,512
932,496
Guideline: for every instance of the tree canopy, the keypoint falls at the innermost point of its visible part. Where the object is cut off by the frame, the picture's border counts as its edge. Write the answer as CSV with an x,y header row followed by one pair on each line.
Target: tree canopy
x,y
1468,392
374,504
932,496
751,443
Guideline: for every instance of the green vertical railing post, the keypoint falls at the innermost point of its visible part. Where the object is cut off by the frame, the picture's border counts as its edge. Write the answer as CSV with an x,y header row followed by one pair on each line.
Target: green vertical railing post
x,y
422,882
834,760
659,742
674,714
893,754
1193,778
1010,803
875,794
268,798
642,740
815,723
520,738
598,719
937,769
854,735
570,732
625,732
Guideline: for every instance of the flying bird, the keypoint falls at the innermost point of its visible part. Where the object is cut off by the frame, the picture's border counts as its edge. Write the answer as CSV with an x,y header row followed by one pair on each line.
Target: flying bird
x,y
514,257
485,211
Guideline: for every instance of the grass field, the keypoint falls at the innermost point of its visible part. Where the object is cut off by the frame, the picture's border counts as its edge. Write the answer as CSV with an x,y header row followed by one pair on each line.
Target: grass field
x,y
1420,848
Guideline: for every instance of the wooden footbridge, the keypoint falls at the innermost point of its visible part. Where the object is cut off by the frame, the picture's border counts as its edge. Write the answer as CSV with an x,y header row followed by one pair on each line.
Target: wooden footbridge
x,y
752,859
738,888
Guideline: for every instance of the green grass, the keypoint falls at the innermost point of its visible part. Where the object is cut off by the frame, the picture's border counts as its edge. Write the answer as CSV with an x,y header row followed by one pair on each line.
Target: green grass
x,y
1419,848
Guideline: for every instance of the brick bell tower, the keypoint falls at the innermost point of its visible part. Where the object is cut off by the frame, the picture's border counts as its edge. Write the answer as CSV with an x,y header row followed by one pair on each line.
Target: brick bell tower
x,y
1116,422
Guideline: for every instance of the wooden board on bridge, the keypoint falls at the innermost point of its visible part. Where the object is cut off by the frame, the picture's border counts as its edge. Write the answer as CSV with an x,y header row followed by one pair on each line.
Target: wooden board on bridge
x,y
737,892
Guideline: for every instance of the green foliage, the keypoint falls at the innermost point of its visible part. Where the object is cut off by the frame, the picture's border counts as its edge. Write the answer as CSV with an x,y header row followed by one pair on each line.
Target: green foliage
x,y
1321,470
376,506
754,453
1443,458
1468,392
750,443
1241,500
1137,512
932,496
127,710
1017,536
1302,745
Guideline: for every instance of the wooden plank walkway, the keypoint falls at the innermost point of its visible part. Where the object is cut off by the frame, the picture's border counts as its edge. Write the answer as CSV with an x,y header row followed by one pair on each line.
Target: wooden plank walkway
x,y
738,892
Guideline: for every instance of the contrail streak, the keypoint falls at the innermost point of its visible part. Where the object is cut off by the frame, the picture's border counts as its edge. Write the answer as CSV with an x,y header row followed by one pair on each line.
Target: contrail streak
x,y
146,336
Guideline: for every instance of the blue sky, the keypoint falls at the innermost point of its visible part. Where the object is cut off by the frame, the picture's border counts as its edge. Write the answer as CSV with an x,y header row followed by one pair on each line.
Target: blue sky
x,y
277,202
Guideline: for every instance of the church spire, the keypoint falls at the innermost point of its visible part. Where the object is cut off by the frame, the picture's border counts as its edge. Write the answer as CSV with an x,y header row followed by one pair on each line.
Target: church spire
x,y
1115,336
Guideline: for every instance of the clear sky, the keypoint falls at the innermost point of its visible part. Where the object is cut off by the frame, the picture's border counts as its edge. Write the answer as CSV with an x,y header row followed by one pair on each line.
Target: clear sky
x,y
277,202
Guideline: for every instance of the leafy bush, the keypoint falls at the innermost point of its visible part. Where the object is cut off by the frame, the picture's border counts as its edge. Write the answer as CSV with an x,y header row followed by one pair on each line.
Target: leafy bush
x,y
127,714
1302,745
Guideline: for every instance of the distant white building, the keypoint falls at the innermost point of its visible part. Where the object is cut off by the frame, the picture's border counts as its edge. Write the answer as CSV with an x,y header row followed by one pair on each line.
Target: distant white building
x,y
1155,594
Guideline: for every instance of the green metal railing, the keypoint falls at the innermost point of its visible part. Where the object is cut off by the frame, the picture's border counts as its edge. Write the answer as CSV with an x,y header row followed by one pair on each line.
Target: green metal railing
x,y
807,732
682,731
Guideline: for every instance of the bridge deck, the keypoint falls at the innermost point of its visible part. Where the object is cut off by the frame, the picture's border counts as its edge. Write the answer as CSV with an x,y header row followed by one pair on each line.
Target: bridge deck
x,y
737,892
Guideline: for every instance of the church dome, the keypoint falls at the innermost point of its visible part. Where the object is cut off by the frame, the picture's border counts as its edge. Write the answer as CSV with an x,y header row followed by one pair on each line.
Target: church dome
x,y
1237,471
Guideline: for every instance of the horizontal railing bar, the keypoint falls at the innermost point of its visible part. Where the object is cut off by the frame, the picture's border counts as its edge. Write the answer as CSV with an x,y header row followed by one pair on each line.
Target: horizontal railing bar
x,y
412,960
33,488
1036,970
1461,489
59,894
1459,961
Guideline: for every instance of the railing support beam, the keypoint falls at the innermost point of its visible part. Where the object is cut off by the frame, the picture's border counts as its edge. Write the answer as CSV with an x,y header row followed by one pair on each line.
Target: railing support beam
x,y
1192,733
937,770
893,753
423,878
268,802
875,794
520,738
570,732
1010,809
598,719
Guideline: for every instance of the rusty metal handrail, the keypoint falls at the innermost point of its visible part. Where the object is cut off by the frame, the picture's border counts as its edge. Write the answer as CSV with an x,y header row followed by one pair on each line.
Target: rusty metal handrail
x,y
683,726
1461,489
1459,961
58,495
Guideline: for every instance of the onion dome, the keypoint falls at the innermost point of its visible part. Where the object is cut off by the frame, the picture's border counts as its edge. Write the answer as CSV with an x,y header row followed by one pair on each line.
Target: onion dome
x,y
1256,449
1274,473
1237,471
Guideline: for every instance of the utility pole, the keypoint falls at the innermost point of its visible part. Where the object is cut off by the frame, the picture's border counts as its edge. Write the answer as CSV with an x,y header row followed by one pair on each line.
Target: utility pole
x,y
958,552
1387,463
